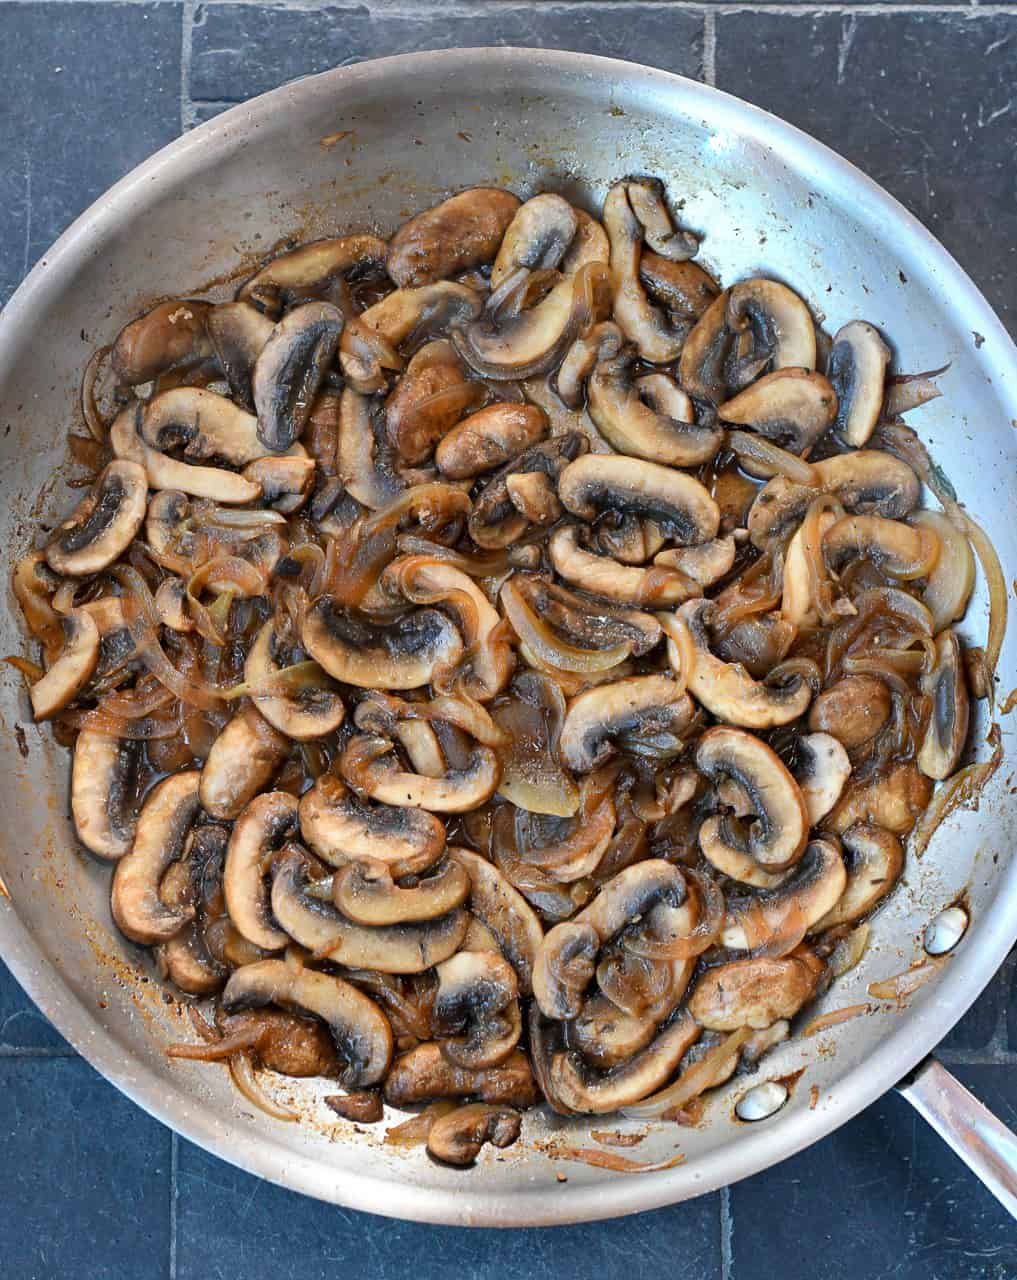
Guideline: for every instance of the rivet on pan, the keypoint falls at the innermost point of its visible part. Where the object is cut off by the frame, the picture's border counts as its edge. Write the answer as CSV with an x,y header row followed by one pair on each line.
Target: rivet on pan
x,y
944,932
762,1101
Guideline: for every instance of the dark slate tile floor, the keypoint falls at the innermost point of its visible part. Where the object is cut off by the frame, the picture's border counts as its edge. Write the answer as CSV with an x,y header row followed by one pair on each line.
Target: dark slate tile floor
x,y
924,100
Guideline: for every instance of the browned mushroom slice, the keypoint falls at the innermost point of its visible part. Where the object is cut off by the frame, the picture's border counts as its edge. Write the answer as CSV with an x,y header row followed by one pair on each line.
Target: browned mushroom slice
x,y
427,402
265,825
72,670
456,1138
243,759
652,587
462,232
365,461
780,827
506,913
704,355
404,655
853,710
312,271
605,1036
163,824
899,550
102,792
238,332
952,578
286,482
425,1073
756,992
358,1026
476,1009
588,623
858,362
494,521
625,711
194,883
339,827
103,524
894,800
727,689
201,424
368,764
705,564
648,417
536,238
169,337
683,287
490,438
290,370
534,496
778,319
786,912
366,892
600,342
794,407
822,770
874,860
303,714
947,732
171,605
318,926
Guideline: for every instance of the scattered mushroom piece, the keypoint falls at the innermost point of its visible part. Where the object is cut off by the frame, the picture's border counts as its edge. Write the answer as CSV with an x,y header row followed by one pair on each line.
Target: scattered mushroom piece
x,y
339,827
704,564
858,362
243,759
755,992
605,1036
654,587
534,496
946,686
369,766
72,670
265,825
600,342
172,336
633,707
683,287
463,231
103,524
286,482
238,332
536,238
505,912
494,521
894,800
489,438
899,550
428,401
794,407
103,779
456,1139
359,1028
822,770
704,353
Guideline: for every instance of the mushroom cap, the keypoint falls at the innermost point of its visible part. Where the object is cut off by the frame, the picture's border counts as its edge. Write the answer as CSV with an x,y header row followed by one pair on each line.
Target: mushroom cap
x,y
590,623
291,368
646,196
170,336
894,799
857,366
286,482
874,859
947,731
490,438
339,827
704,564
778,318
265,825
365,461
702,366
853,709
679,504
428,400
403,655
103,524
102,790
243,759
537,237
600,342
755,992
358,1026
801,900
685,288
366,893
605,1036
202,424
303,715
634,705
794,407
822,771
163,824
461,232
71,670
776,838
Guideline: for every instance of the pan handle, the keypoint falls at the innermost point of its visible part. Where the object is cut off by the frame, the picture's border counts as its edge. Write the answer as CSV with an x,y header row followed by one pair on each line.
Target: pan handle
x,y
986,1145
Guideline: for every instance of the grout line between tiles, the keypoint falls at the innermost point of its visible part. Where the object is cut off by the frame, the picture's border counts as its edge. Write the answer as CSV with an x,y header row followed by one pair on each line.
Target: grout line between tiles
x,y
709,47
401,8
17,1051
187,112
174,1165
726,1235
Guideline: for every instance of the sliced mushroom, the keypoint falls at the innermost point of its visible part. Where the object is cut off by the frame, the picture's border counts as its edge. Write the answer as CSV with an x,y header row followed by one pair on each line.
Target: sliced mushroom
x,y
194,884
304,714
162,828
536,238
461,232
238,332
590,244
657,338
171,605
366,465
858,362
821,772
794,407
778,319
633,707
853,710
494,521
72,670
683,287
103,780
425,1073
947,731
318,926
403,655
899,550
727,689
600,342
590,1093
777,835
804,578
366,892
103,524
506,913
358,1026
755,992
874,860
286,482
679,504
866,481
591,624
894,800
163,472
476,1009
203,425
429,399
265,825
793,907
489,438
605,1036
515,342
312,271
369,766
242,760
290,370
705,564
704,354
341,828
654,587
172,336
648,417
456,1138
534,496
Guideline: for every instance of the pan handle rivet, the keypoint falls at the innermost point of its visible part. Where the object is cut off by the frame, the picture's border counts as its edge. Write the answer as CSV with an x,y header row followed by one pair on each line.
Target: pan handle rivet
x,y
762,1101
944,931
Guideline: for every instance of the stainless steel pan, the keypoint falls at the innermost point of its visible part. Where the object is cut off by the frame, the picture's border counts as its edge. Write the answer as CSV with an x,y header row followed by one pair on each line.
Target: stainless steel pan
x,y
362,147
